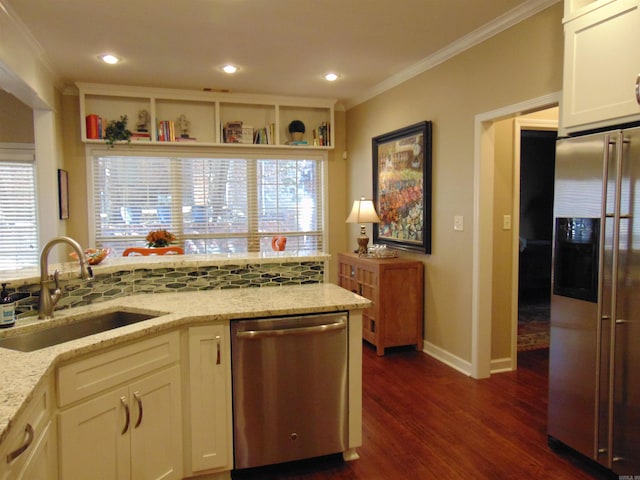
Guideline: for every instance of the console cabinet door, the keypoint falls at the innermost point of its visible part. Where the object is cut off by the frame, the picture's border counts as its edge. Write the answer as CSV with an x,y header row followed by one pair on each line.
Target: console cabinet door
x,y
601,67
210,398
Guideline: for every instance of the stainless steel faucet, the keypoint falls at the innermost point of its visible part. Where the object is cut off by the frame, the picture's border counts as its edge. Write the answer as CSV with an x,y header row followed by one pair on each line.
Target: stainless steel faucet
x,y
48,301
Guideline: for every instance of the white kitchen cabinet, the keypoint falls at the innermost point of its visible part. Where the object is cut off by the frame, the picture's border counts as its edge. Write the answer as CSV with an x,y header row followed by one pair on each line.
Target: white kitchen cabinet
x,y
207,113
210,422
29,452
121,413
94,440
42,464
601,65
131,432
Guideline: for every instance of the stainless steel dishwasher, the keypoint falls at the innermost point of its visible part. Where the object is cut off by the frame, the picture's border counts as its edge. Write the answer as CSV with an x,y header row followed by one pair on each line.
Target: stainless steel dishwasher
x,y
289,388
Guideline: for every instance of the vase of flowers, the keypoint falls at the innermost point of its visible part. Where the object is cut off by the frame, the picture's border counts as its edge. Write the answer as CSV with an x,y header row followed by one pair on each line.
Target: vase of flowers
x,y
160,238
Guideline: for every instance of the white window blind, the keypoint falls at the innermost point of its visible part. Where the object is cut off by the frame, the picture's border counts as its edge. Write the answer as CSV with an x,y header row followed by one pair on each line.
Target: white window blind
x,y
213,205
18,209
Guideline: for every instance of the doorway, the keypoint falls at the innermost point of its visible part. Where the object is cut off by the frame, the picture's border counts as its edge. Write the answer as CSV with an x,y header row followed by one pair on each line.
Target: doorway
x,y
537,171
483,362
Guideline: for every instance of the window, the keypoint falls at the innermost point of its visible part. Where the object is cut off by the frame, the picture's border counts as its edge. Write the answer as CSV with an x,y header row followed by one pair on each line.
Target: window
x,y
213,205
19,245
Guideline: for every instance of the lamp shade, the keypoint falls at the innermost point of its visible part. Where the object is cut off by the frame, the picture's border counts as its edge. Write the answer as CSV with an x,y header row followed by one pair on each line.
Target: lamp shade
x,y
363,211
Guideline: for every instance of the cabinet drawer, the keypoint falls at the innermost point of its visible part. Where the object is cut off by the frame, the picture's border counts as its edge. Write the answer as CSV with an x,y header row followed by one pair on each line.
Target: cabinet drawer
x,y
26,431
91,375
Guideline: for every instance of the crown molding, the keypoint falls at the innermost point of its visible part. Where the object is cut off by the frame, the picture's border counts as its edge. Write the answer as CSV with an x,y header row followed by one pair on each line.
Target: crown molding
x,y
30,41
496,26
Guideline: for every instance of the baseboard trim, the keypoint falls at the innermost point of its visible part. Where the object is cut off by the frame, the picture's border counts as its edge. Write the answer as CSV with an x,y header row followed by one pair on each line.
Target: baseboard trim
x,y
499,365
447,358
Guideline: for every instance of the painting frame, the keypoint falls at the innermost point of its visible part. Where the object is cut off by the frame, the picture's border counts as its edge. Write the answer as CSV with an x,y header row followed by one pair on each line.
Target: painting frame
x,y
402,187
63,194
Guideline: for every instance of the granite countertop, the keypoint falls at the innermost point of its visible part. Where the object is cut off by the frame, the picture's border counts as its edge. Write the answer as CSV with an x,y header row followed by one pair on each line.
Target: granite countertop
x,y
22,372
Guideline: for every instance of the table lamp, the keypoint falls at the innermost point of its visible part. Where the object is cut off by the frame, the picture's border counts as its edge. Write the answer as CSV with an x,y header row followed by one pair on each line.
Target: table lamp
x,y
363,212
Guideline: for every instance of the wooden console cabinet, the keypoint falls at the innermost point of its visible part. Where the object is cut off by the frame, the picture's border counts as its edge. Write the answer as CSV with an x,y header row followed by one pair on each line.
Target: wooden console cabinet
x,y
395,286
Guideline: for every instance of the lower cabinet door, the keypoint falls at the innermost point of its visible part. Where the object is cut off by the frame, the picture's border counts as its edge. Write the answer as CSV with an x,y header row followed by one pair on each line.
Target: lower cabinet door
x,y
94,438
42,463
156,426
132,432
210,398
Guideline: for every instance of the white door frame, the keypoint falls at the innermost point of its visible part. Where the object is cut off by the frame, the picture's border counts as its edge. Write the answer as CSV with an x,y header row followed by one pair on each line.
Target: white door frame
x,y
482,282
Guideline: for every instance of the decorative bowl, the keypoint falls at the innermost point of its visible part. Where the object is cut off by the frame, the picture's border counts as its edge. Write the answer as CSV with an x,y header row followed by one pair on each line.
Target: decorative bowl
x,y
93,255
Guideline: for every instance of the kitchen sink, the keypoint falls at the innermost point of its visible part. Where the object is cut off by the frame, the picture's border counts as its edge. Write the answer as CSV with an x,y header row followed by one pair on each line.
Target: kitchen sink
x,y
46,337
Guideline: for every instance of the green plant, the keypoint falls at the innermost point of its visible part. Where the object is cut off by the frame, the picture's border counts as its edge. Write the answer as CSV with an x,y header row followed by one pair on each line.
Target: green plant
x,y
117,131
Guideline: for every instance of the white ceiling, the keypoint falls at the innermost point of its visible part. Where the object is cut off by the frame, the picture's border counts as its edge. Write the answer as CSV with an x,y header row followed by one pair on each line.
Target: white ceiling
x,y
281,46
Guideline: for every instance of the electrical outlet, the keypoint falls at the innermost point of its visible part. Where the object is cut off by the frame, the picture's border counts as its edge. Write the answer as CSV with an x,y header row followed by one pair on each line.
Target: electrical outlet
x,y
506,222
458,223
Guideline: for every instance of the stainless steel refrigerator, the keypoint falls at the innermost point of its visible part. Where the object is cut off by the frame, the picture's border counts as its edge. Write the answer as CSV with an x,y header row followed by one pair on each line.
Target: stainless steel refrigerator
x,y
594,359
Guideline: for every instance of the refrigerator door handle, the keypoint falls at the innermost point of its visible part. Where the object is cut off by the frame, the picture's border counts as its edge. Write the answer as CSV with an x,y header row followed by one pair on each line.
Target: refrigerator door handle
x,y
609,145
621,142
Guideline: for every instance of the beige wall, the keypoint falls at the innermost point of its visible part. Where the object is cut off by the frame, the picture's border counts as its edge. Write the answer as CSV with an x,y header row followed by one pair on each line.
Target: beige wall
x,y
522,63
501,331
76,164
16,120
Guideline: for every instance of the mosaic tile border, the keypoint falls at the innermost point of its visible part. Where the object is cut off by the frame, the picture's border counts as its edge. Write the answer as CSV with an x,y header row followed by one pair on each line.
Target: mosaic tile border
x,y
132,281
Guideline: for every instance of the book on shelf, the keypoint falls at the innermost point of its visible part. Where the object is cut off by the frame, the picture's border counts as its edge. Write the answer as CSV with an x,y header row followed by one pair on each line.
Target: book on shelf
x,y
94,126
247,134
322,135
140,136
271,134
166,131
262,136
232,132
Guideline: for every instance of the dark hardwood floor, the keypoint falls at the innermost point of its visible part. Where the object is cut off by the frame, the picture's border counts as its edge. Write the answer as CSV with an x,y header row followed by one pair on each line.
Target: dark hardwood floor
x,y
424,420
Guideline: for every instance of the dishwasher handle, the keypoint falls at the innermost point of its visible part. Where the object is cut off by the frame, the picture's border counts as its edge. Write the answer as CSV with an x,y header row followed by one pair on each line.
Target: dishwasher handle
x,y
328,327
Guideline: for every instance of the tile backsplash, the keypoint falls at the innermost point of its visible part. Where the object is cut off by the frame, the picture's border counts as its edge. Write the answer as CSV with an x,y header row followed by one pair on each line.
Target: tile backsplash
x,y
161,279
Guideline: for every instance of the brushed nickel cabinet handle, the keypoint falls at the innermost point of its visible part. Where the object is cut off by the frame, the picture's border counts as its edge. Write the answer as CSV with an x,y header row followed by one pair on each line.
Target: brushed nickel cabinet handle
x,y
136,395
123,401
638,89
20,450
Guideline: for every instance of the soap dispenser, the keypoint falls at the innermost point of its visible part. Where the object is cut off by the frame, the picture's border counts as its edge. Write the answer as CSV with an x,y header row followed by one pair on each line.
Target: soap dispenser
x,y
7,308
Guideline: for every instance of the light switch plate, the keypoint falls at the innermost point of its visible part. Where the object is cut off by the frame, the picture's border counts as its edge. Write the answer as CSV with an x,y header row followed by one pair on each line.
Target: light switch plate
x,y
506,222
458,223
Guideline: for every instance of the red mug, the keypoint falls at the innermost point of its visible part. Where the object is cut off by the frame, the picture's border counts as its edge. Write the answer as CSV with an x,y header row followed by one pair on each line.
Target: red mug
x,y
278,243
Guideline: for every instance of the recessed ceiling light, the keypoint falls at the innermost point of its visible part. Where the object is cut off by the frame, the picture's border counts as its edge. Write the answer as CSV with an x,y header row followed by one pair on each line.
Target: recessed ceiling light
x,y
229,69
110,59
331,77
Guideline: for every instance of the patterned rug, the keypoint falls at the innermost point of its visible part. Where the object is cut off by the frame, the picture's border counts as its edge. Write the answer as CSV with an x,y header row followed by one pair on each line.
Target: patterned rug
x,y
533,326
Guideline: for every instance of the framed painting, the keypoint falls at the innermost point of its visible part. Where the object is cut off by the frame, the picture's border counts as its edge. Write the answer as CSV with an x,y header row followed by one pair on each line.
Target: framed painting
x,y
402,188
63,194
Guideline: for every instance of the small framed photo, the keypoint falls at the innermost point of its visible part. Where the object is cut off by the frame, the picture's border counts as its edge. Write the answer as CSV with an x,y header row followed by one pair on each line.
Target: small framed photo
x,y
63,194
402,188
